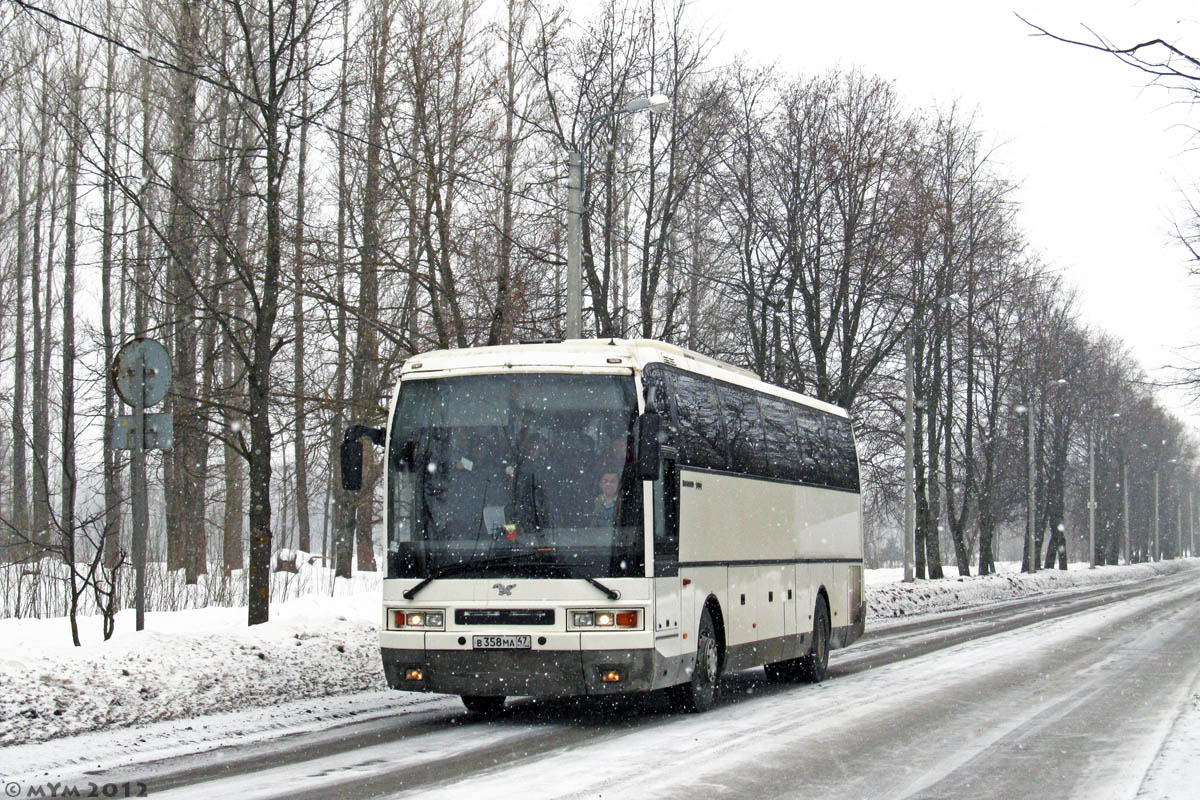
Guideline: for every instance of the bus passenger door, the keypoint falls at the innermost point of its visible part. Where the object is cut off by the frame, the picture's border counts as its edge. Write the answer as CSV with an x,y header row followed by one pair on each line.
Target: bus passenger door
x,y
668,605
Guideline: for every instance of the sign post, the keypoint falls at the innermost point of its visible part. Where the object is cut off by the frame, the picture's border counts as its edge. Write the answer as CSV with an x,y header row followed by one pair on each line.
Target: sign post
x,y
141,373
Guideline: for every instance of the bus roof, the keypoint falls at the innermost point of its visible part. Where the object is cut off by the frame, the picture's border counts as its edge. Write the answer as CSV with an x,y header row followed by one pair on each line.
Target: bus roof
x,y
585,354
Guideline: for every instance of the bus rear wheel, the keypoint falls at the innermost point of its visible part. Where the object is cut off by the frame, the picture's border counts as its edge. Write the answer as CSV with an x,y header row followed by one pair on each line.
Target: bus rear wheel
x,y
485,705
812,666
700,693
815,664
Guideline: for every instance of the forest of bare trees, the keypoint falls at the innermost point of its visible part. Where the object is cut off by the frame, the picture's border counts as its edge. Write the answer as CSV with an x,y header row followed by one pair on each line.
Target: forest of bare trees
x,y
296,195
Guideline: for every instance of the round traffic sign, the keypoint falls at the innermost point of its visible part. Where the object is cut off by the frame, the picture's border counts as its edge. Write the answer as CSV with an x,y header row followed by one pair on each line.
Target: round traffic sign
x,y
151,359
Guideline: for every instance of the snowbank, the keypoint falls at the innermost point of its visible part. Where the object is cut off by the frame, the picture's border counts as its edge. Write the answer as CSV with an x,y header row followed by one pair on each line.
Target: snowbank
x,y
890,599
185,664
203,661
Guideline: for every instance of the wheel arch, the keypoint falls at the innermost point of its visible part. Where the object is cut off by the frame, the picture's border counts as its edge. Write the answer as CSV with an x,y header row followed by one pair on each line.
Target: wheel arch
x,y
823,594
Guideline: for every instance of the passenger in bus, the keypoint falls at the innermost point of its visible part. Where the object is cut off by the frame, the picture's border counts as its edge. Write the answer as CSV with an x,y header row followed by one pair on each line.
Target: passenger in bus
x,y
606,508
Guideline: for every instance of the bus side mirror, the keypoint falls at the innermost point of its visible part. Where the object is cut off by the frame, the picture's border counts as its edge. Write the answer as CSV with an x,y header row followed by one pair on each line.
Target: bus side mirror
x,y
649,444
352,453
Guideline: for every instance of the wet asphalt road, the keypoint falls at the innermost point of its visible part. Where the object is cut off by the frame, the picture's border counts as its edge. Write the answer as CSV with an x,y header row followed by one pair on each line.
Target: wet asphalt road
x,y
1068,696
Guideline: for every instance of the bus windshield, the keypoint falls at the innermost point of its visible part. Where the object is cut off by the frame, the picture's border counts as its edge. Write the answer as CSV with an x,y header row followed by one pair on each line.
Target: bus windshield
x,y
515,475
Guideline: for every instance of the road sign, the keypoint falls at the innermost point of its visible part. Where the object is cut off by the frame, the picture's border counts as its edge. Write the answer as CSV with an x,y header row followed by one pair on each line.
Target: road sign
x,y
151,357
141,373
158,432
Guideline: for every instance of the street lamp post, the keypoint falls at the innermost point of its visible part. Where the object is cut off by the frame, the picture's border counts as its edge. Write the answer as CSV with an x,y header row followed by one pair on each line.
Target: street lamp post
x,y
1125,509
1029,562
575,190
1178,525
1171,462
1154,555
1092,500
910,477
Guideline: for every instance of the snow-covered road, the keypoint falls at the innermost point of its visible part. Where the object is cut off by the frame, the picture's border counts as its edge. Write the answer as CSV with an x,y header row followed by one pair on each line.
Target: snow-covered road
x,y
1090,696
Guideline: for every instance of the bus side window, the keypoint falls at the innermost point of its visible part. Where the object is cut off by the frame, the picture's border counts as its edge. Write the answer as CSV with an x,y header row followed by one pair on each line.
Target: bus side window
x,y
845,458
701,432
666,520
743,428
783,455
812,446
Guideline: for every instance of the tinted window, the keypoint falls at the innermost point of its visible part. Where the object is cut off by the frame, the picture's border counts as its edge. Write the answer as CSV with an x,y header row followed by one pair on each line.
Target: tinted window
x,y
844,464
827,454
743,429
701,438
782,445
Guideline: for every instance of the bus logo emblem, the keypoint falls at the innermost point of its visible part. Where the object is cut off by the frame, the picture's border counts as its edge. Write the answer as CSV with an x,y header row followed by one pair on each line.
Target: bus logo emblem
x,y
505,589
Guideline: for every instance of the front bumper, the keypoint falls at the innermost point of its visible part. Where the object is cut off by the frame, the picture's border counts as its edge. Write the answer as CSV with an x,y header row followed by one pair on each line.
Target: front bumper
x,y
538,673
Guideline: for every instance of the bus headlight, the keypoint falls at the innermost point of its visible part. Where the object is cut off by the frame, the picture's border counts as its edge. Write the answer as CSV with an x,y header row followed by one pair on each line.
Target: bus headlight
x,y
605,618
416,619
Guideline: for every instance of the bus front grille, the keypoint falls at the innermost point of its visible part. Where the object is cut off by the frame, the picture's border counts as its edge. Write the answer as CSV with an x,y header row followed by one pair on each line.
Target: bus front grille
x,y
504,616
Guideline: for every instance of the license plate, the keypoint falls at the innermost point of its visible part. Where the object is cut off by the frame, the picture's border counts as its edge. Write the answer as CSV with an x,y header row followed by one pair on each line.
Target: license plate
x,y
500,642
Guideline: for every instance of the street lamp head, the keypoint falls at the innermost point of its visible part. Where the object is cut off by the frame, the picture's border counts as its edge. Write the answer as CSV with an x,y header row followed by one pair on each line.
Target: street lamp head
x,y
654,103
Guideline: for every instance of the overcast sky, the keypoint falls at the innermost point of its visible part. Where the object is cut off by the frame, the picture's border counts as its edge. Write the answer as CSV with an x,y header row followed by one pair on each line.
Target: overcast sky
x,y
1100,160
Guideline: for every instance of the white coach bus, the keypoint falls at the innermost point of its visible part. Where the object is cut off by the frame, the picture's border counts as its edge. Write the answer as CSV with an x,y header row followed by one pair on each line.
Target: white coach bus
x,y
598,516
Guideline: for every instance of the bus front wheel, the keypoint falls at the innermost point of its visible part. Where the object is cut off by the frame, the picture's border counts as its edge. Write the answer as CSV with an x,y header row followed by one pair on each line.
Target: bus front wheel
x,y
700,693
483,704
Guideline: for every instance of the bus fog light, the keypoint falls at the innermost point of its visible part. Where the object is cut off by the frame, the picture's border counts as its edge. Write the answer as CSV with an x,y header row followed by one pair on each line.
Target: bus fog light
x,y
414,675
610,676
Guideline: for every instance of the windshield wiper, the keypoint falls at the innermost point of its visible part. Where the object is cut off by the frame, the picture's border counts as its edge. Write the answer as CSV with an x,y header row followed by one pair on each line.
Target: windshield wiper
x,y
508,558
612,594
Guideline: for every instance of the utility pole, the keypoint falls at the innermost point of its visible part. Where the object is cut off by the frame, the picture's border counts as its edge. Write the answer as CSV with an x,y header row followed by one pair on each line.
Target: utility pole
x,y
574,325
1030,564
1125,510
1178,525
655,104
1092,500
1155,554
910,500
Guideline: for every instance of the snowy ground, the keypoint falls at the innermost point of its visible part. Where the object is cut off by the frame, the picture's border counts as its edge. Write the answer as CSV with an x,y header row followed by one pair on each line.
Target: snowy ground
x,y
311,662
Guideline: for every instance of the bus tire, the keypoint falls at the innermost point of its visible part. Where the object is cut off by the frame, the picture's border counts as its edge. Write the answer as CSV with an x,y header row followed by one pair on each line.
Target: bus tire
x,y
815,664
484,705
700,693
